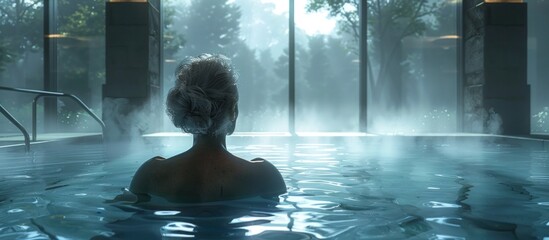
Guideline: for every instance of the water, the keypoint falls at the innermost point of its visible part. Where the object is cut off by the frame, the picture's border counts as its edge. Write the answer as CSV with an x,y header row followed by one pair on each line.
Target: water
x,y
346,188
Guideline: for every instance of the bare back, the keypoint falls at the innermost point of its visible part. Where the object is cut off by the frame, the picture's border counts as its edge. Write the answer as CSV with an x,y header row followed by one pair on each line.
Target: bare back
x,y
205,176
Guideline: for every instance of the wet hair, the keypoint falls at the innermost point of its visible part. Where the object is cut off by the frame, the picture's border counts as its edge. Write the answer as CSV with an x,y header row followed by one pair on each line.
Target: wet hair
x,y
204,98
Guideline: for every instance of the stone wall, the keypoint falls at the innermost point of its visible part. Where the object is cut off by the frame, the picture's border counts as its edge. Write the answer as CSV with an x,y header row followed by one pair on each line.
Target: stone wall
x,y
496,96
473,66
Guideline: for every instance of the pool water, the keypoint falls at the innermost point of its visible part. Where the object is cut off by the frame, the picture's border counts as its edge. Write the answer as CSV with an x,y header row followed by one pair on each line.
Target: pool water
x,y
338,188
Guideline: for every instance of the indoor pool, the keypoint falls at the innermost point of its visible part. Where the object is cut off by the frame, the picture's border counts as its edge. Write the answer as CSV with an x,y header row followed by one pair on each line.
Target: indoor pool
x,y
338,188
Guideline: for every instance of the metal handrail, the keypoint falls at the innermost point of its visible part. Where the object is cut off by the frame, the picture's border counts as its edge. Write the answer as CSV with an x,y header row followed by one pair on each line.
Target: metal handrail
x,y
42,93
18,125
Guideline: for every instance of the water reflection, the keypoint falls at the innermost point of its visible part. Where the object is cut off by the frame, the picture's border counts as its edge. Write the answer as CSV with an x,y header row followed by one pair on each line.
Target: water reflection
x,y
221,220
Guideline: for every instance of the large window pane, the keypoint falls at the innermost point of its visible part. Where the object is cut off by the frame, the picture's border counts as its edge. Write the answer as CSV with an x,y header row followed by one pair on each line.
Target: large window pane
x,y
80,60
21,65
412,66
253,34
326,69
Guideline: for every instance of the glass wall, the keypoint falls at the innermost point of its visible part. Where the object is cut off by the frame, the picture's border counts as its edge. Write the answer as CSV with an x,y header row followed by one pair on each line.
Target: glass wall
x,y
412,68
326,68
78,36
538,60
80,29
21,65
254,34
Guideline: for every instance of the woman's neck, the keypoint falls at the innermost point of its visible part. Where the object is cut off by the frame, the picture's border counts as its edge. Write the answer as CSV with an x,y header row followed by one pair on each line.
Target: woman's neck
x,y
209,141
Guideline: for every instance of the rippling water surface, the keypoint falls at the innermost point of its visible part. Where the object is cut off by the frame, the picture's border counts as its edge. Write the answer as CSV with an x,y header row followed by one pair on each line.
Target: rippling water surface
x,y
346,188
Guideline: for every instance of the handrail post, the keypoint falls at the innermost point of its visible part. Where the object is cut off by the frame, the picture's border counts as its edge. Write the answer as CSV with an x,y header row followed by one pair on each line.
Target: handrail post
x,y
18,125
34,128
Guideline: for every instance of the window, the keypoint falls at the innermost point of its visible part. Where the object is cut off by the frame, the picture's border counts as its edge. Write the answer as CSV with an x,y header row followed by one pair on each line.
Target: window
x,y
254,34
80,48
21,52
326,70
412,71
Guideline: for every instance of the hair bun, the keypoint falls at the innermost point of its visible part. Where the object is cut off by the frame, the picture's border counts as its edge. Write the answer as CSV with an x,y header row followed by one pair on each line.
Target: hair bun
x,y
198,118
190,109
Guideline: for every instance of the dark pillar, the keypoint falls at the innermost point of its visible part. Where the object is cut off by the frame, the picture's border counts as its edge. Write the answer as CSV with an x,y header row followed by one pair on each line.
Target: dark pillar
x,y
363,68
132,91
496,92
50,64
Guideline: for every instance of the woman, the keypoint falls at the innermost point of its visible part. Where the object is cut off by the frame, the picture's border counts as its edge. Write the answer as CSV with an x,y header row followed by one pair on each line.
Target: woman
x,y
203,102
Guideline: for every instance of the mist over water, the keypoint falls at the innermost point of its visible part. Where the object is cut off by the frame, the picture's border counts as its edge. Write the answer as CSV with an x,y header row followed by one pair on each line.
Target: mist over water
x,y
412,91
388,187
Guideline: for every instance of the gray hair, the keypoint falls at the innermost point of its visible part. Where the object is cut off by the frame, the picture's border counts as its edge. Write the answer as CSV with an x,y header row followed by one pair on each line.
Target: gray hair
x,y
204,96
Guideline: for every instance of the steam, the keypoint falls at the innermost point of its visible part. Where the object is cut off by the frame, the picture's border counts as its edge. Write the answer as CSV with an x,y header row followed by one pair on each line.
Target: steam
x,y
124,120
493,122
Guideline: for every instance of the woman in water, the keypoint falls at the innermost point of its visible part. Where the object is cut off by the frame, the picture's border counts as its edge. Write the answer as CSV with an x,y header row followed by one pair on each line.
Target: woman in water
x,y
203,102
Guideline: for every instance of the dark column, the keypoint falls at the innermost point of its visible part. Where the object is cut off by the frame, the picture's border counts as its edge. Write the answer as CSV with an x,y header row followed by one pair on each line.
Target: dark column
x,y
505,64
132,91
496,92
50,64
363,68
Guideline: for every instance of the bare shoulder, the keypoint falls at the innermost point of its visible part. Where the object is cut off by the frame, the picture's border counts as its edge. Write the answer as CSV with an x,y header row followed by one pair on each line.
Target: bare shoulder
x,y
142,178
258,160
272,181
263,165
151,164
